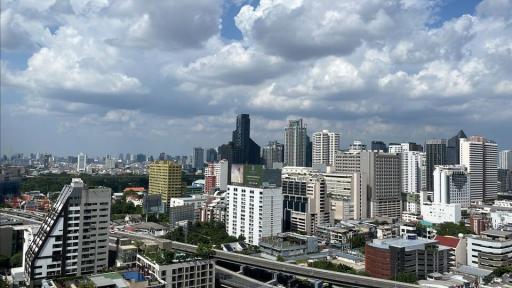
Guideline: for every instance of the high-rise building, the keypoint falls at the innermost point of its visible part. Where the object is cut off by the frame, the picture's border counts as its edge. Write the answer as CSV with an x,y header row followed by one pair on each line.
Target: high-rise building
x,y
347,196
295,144
412,171
73,239
110,163
325,146
378,146
309,152
505,159
480,156
381,172
273,155
211,155
304,201
81,165
254,212
453,148
165,180
357,146
452,185
198,158
216,176
436,155
242,149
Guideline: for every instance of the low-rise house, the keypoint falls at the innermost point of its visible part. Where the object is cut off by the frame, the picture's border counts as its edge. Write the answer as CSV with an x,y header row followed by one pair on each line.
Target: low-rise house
x,y
490,250
177,270
288,245
387,258
458,252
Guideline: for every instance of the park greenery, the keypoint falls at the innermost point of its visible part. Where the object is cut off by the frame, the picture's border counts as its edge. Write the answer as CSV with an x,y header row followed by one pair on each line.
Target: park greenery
x,y
213,233
406,277
358,241
328,265
55,182
451,229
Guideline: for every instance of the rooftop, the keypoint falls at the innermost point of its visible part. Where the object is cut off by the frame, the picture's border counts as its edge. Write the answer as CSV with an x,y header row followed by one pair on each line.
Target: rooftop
x,y
403,243
449,241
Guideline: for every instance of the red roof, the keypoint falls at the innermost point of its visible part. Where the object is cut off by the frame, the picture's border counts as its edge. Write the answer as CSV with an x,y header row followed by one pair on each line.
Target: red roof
x,y
449,241
135,189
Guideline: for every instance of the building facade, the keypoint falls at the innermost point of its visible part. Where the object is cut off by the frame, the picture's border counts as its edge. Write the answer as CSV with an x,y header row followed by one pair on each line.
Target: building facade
x,y
254,212
295,144
198,162
273,155
387,258
480,156
436,155
325,146
73,239
490,250
452,185
165,180
81,165
505,159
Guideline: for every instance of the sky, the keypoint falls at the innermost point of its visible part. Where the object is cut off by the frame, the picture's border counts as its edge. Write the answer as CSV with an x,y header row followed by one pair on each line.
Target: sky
x,y
112,76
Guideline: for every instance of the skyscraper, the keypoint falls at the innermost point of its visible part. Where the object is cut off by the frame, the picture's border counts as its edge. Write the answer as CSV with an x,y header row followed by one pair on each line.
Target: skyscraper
x,y
165,180
453,148
211,155
505,159
73,239
241,149
452,185
325,146
480,156
273,153
82,163
295,144
436,155
198,158
381,172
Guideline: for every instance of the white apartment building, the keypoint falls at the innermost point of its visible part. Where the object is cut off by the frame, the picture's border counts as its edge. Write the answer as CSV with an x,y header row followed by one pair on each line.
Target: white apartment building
x,y
325,145
73,239
254,212
452,185
81,165
490,250
412,170
505,159
480,157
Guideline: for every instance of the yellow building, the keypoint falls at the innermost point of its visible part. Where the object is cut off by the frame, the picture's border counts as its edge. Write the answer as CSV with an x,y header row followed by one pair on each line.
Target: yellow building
x,y
165,180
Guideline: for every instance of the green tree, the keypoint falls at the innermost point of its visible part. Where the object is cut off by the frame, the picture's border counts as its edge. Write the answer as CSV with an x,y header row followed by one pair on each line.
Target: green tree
x,y
16,260
5,262
3,282
452,229
205,250
86,284
327,265
280,258
358,241
406,277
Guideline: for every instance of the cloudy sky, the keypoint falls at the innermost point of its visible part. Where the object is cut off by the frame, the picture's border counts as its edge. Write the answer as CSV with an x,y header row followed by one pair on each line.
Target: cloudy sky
x,y
107,76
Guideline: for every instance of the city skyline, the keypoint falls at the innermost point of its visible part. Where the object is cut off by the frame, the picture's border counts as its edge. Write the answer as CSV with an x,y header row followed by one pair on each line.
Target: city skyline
x,y
151,83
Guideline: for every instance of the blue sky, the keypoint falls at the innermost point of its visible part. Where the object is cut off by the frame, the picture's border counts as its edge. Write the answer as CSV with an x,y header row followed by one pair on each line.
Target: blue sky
x,y
116,76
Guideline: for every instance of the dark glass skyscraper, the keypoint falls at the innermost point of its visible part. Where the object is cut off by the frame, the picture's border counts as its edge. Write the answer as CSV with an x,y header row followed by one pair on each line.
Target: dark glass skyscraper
x,y
436,155
242,149
453,148
378,146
